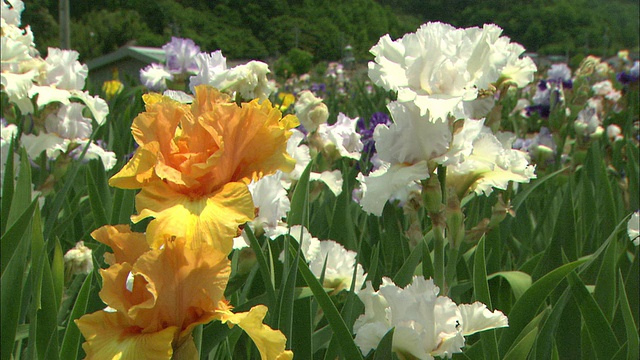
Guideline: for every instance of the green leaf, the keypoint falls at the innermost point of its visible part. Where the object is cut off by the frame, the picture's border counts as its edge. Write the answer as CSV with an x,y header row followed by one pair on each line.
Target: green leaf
x,y
10,241
345,339
602,337
523,195
47,328
300,200
518,280
563,238
99,194
57,271
522,348
123,206
629,324
11,288
384,350
7,187
605,286
526,307
481,293
72,336
405,274
547,333
302,330
264,267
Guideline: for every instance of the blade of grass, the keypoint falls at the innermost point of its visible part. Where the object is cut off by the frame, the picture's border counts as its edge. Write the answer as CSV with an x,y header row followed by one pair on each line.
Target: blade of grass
x,y
345,339
525,308
72,336
630,326
264,267
481,293
602,337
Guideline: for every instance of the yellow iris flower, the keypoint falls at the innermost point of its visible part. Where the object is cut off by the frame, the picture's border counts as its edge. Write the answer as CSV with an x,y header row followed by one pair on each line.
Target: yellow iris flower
x,y
157,296
194,161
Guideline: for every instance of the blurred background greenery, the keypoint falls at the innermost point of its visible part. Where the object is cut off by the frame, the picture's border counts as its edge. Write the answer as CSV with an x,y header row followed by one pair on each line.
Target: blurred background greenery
x,y
269,29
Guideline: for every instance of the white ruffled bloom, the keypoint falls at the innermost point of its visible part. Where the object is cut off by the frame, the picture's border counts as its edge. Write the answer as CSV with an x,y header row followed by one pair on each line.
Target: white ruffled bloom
x,y
248,80
386,182
333,180
440,67
79,259
311,111
426,325
210,67
154,77
343,136
487,163
64,71
271,201
633,228
300,153
69,122
54,145
338,264
412,137
310,246
588,122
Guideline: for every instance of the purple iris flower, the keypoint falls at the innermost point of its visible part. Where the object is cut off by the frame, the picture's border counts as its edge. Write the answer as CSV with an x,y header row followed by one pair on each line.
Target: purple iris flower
x,y
560,74
181,55
366,132
631,76
318,88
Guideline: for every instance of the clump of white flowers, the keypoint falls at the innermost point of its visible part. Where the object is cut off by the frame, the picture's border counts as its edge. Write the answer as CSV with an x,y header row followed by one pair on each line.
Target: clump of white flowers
x,y
56,82
426,325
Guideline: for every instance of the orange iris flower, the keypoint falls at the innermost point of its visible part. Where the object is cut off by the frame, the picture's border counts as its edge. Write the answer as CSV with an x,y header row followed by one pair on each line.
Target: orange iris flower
x,y
157,296
194,161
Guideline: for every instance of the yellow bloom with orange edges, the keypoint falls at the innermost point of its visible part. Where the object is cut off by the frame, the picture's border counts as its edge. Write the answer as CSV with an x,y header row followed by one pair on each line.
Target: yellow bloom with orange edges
x,y
157,296
194,161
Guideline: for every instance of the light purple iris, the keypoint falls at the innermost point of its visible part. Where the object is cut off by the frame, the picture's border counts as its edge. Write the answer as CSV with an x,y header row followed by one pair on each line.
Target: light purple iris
x,y
181,55
560,74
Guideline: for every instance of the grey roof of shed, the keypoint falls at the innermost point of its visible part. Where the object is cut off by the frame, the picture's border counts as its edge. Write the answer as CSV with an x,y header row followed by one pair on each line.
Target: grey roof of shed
x,y
145,54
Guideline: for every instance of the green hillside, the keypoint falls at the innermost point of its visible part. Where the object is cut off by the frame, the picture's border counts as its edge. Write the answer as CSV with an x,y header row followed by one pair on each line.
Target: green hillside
x,y
263,29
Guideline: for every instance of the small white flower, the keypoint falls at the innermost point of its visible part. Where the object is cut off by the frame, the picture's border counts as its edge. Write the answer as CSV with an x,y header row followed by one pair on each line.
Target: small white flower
x,y
633,228
333,180
614,132
602,87
248,80
343,136
154,77
300,153
210,66
271,201
489,165
311,111
426,325
79,259
339,265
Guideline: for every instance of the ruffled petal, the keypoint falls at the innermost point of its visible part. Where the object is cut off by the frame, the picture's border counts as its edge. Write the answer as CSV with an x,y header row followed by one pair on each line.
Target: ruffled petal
x,y
212,220
270,343
110,336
